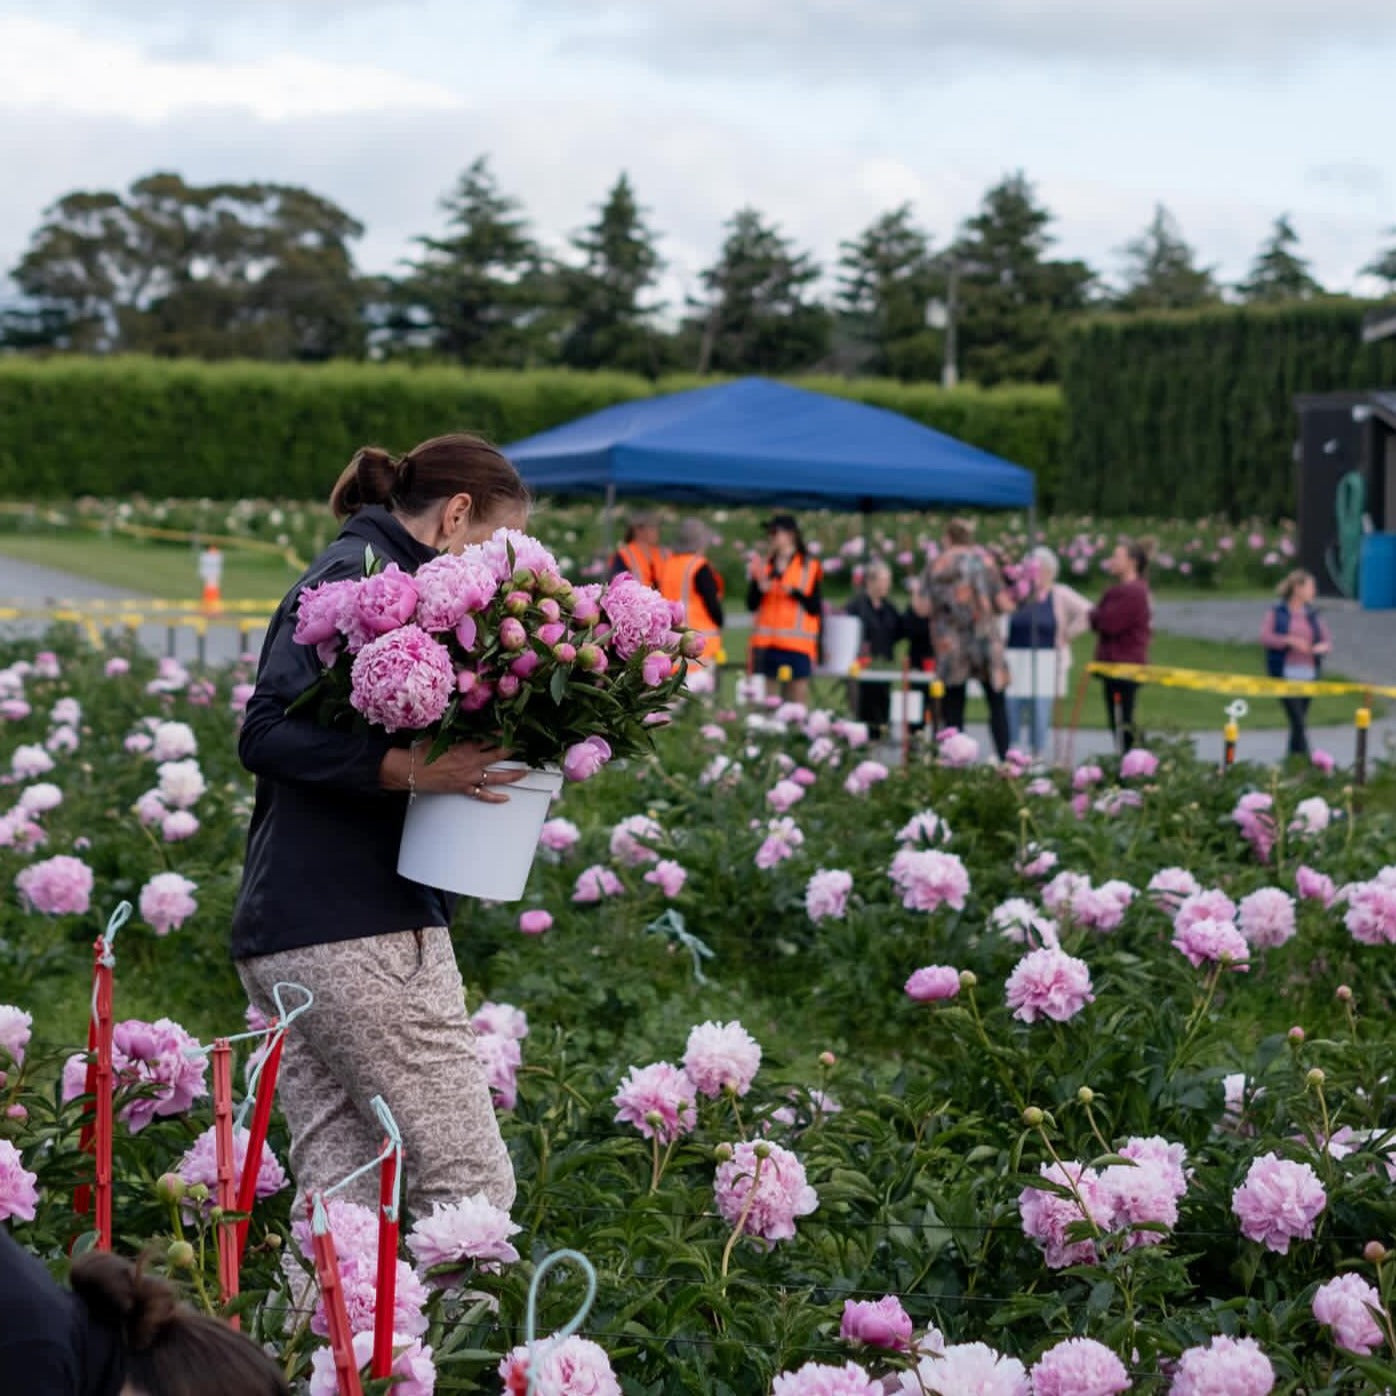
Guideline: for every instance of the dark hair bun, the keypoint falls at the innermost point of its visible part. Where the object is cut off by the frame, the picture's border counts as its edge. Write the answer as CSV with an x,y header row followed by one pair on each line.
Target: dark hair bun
x,y
120,1295
370,478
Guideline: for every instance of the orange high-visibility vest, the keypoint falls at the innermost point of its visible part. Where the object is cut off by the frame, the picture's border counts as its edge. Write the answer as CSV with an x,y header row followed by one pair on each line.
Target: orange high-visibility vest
x,y
781,622
676,576
643,563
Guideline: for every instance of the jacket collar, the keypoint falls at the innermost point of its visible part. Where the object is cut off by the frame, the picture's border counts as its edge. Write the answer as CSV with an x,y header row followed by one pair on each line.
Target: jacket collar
x,y
388,538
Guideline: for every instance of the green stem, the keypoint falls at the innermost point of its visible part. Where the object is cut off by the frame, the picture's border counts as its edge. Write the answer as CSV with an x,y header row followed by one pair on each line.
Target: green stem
x,y
1070,1181
742,1218
1195,1022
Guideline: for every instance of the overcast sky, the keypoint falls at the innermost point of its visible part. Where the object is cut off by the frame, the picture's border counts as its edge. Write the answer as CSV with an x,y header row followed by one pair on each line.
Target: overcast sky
x,y
822,113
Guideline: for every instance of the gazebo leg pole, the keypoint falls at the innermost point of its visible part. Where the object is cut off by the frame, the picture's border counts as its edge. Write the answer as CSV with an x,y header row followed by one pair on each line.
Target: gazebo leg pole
x,y
609,520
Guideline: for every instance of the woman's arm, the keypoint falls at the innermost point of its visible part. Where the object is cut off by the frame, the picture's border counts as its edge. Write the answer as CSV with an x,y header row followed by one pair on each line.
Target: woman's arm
x,y
1073,612
1269,636
705,584
812,601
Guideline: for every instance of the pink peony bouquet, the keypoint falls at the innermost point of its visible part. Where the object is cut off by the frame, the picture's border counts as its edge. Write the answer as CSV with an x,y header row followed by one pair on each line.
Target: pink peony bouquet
x,y
495,644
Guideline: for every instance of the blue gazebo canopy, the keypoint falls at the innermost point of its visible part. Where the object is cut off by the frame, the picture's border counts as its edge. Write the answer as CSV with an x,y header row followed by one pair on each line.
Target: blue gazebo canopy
x,y
755,441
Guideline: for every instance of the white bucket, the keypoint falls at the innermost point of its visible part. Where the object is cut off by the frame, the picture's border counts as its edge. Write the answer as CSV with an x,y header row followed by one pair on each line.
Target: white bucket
x,y
842,637
474,847
907,708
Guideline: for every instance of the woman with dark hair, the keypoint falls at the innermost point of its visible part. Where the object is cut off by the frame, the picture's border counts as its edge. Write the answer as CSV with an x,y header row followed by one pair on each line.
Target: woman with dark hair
x,y
1123,619
322,903
119,1332
1295,641
785,595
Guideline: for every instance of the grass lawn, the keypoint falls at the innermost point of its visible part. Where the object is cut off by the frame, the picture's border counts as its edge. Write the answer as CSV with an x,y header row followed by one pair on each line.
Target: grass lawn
x,y
149,568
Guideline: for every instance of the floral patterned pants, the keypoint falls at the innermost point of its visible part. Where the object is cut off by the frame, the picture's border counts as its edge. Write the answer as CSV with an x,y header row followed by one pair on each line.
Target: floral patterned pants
x,y
388,1019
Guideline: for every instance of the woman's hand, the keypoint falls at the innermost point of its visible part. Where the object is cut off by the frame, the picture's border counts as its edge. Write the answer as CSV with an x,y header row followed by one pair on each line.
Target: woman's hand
x,y
463,769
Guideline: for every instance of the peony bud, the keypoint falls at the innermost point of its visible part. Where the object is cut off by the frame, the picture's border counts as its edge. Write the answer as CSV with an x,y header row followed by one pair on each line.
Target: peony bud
x,y
565,653
1374,1252
1343,994
1315,1076
761,1149
550,610
551,633
517,603
654,1119
199,1192
524,578
1085,1095
16,1112
466,680
692,645
525,664
723,1153
1296,1035
512,635
180,1255
170,1187
1033,1117
827,1059
968,979
591,659
508,686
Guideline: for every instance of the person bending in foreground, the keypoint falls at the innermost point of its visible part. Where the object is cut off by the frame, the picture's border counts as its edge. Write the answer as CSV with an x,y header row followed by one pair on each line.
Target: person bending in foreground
x,y
117,1333
321,902
1123,620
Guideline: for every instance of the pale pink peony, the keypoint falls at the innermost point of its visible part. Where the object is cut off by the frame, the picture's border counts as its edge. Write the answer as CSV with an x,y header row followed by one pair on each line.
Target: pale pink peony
x,y
413,1371
39,799
472,1231
181,783
565,1367
1313,886
668,876
1086,775
957,749
1208,905
1146,1190
926,828
1345,1305
1048,983
1169,886
659,1100
964,1368
783,837
721,1056
200,1165
15,1028
884,1324
19,1193
1266,918
173,741
402,680
1311,817
1323,761
116,666
640,617
527,552
1018,920
167,902
1061,894
823,1379
534,922
17,830
584,759
1254,816
864,776
631,840
1138,764
1371,914
178,825
1079,1367
1225,1367
27,762
60,886
826,895
452,586
240,696
929,879
559,836
1212,943
501,1020
781,1192
856,734
595,883
1047,1214
1035,862
783,794
1103,908
1279,1202
152,1057
933,983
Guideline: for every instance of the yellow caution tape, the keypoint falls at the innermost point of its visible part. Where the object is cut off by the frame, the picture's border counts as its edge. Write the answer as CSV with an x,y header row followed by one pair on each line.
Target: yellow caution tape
x,y
1258,686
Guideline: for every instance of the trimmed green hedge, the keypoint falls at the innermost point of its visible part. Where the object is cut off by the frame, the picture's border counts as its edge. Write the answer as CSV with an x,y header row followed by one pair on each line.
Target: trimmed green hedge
x,y
120,426
1193,413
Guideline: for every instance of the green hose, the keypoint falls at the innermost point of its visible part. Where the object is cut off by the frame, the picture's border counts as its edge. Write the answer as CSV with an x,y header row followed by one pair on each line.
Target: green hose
x,y
1343,557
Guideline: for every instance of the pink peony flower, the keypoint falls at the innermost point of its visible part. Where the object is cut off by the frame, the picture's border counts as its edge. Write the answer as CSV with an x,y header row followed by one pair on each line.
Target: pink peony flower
x,y
864,776
501,1020
559,835
323,613
1103,908
27,762
783,794
1047,1214
472,1231
1204,906
173,741
1061,894
826,895
1146,1191
1225,1367
1323,761
1040,788
1085,776
933,983
1170,886
1036,862
240,696
640,617
781,1191
1371,914
884,1324
1212,942
181,783
1253,815
1279,1202
656,668
721,1056
1314,886
527,554
1311,817
584,759
1266,918
200,1165
413,1371
1048,983
972,1367
565,1367
1018,920
452,586
167,902
178,825
926,828
402,680
138,743
1079,1367
1138,764
668,876
60,886
783,837
595,883
500,1058
152,1058
39,799
17,830
957,749
823,1379
631,839
535,922
385,601
15,1026
659,1100
1346,1306
115,667
929,879
19,1193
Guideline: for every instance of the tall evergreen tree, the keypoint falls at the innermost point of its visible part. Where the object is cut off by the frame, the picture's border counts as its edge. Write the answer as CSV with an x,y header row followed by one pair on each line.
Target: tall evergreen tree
x,y
1161,271
759,317
1279,273
603,297
886,280
480,293
1383,265
1010,296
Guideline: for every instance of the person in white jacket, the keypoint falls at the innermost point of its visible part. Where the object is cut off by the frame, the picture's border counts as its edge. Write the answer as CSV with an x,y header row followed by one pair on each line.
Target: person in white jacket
x,y
1038,648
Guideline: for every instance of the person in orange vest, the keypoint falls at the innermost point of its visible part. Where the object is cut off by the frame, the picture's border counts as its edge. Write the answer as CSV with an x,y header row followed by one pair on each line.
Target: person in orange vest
x,y
686,576
784,594
640,554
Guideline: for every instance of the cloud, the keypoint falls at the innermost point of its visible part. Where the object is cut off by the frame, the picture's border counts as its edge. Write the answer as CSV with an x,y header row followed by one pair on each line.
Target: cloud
x,y
859,39
1352,177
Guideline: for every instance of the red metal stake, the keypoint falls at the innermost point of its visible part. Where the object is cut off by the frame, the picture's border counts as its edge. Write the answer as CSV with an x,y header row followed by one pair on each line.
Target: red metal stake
x,y
257,1137
346,1370
388,1224
105,1089
82,1194
222,1059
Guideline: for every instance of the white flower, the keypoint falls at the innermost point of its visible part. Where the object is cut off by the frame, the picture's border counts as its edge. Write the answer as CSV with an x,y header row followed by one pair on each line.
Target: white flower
x,y
181,783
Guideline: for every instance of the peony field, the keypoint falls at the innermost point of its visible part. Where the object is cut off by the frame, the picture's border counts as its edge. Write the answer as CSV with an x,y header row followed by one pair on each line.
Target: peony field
x,y
844,1077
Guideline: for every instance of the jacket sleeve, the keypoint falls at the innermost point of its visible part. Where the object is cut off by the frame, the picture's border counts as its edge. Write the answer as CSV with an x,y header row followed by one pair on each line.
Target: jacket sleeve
x,y
812,601
1269,636
1073,612
297,749
705,584
1113,613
